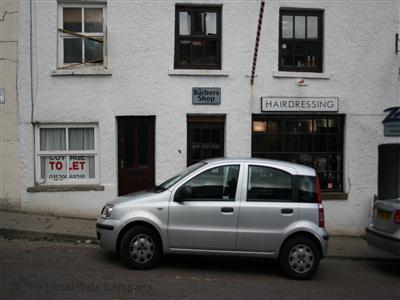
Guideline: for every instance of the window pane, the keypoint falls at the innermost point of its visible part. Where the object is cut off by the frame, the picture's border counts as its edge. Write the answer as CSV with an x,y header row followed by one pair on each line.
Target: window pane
x,y
52,139
81,138
198,20
300,27
266,184
211,52
307,189
184,52
312,27
217,184
211,23
184,23
306,143
312,55
291,142
81,167
54,168
72,50
287,27
72,18
299,55
93,51
93,20
197,51
287,54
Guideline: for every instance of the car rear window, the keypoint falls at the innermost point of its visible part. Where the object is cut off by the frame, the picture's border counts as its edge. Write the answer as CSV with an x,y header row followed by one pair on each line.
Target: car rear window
x,y
307,187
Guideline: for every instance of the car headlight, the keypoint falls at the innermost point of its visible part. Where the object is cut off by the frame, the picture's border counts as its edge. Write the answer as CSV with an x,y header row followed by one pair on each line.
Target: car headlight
x,y
106,211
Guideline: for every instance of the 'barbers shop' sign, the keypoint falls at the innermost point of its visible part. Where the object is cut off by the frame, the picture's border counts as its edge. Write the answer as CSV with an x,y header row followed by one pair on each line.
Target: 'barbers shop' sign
x,y
391,124
205,95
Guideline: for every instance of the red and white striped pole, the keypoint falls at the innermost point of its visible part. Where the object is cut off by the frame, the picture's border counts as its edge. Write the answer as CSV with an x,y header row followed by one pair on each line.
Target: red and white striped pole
x,y
260,18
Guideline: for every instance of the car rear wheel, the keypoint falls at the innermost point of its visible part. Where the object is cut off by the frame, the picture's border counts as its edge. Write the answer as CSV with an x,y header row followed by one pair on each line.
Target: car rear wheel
x,y
140,247
299,258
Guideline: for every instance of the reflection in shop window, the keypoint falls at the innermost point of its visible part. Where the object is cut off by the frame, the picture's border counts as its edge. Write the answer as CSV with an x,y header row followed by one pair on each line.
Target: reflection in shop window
x,y
315,141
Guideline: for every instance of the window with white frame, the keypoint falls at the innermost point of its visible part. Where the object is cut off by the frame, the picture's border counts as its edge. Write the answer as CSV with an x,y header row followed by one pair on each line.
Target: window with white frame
x,y
66,154
81,34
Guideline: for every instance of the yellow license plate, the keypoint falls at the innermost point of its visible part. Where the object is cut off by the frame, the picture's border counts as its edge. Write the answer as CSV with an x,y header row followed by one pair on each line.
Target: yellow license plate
x,y
383,214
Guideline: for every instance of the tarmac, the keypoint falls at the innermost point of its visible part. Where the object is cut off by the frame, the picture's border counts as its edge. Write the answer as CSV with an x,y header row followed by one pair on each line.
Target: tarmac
x,y
18,225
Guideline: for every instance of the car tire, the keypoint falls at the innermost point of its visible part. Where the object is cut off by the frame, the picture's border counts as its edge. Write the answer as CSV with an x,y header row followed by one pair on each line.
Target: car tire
x,y
299,258
141,247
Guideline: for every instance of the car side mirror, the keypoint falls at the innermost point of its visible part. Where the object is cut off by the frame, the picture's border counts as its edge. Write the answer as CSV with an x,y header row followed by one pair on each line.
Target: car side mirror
x,y
183,193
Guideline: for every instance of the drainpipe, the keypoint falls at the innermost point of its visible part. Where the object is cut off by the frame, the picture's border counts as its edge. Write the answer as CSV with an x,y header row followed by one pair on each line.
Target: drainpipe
x,y
32,91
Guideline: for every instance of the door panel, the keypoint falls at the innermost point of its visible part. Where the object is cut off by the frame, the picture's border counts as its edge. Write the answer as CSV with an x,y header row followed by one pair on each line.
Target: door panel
x,y
206,218
267,209
135,154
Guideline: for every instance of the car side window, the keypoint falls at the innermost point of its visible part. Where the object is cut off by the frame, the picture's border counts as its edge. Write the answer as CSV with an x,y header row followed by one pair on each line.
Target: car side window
x,y
307,189
216,184
268,185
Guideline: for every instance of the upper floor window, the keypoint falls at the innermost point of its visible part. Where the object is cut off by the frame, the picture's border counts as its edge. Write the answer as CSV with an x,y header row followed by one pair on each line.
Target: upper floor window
x,y
300,40
81,35
197,37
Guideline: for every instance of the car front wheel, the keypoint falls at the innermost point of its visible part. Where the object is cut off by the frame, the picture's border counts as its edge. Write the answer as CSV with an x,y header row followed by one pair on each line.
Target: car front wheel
x,y
140,247
299,258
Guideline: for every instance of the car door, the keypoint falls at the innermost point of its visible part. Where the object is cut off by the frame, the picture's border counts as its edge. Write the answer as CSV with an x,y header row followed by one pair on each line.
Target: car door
x,y
267,208
203,211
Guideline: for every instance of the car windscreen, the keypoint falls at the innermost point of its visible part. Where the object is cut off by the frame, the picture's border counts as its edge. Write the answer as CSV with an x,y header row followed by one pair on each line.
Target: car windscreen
x,y
174,179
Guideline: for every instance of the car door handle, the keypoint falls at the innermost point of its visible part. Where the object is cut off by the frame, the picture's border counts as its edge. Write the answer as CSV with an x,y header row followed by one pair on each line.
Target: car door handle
x,y
286,210
227,209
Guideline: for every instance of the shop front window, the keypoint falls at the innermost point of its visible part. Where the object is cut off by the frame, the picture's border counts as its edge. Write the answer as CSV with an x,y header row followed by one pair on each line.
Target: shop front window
x,y
312,140
66,154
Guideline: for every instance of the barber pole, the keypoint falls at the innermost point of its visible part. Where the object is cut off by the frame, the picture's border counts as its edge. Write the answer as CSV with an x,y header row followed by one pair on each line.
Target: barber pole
x,y
260,18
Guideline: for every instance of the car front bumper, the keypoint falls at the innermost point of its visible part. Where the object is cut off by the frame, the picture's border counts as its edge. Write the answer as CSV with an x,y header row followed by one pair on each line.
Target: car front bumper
x,y
107,233
382,241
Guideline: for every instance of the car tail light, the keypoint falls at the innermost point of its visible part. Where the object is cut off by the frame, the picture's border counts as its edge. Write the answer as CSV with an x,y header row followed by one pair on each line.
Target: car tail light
x,y
321,217
397,217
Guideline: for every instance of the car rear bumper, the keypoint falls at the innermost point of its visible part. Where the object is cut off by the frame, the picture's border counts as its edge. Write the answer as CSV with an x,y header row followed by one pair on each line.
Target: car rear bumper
x,y
382,241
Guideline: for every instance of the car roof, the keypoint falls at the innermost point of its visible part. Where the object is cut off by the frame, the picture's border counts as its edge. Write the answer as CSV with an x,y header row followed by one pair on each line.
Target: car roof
x,y
300,169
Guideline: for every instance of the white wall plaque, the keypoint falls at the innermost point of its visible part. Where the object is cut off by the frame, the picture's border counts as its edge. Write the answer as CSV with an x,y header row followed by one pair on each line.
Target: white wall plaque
x,y
299,104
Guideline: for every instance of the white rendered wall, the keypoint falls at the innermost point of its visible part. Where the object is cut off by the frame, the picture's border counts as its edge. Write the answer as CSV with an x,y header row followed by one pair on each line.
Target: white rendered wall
x,y
359,61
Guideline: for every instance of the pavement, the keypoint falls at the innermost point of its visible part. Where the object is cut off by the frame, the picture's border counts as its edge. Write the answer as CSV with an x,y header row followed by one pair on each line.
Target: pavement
x,y
18,225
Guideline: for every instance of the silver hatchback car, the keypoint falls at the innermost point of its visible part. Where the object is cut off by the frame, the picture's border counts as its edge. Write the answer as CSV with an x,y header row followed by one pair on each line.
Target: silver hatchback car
x,y
248,207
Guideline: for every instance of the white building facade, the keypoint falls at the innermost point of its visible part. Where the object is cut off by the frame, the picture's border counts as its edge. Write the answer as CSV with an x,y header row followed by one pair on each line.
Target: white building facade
x,y
127,93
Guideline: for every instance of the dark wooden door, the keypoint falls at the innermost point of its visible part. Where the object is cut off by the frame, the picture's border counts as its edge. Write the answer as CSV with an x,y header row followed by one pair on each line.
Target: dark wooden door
x,y
205,138
389,171
135,154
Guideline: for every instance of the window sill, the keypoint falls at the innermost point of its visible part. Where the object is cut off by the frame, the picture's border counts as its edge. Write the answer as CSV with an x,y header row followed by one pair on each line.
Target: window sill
x,y
197,72
65,188
334,196
83,71
284,74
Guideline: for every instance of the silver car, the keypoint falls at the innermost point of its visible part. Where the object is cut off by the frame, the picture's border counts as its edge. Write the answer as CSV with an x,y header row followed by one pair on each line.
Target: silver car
x,y
383,233
248,207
